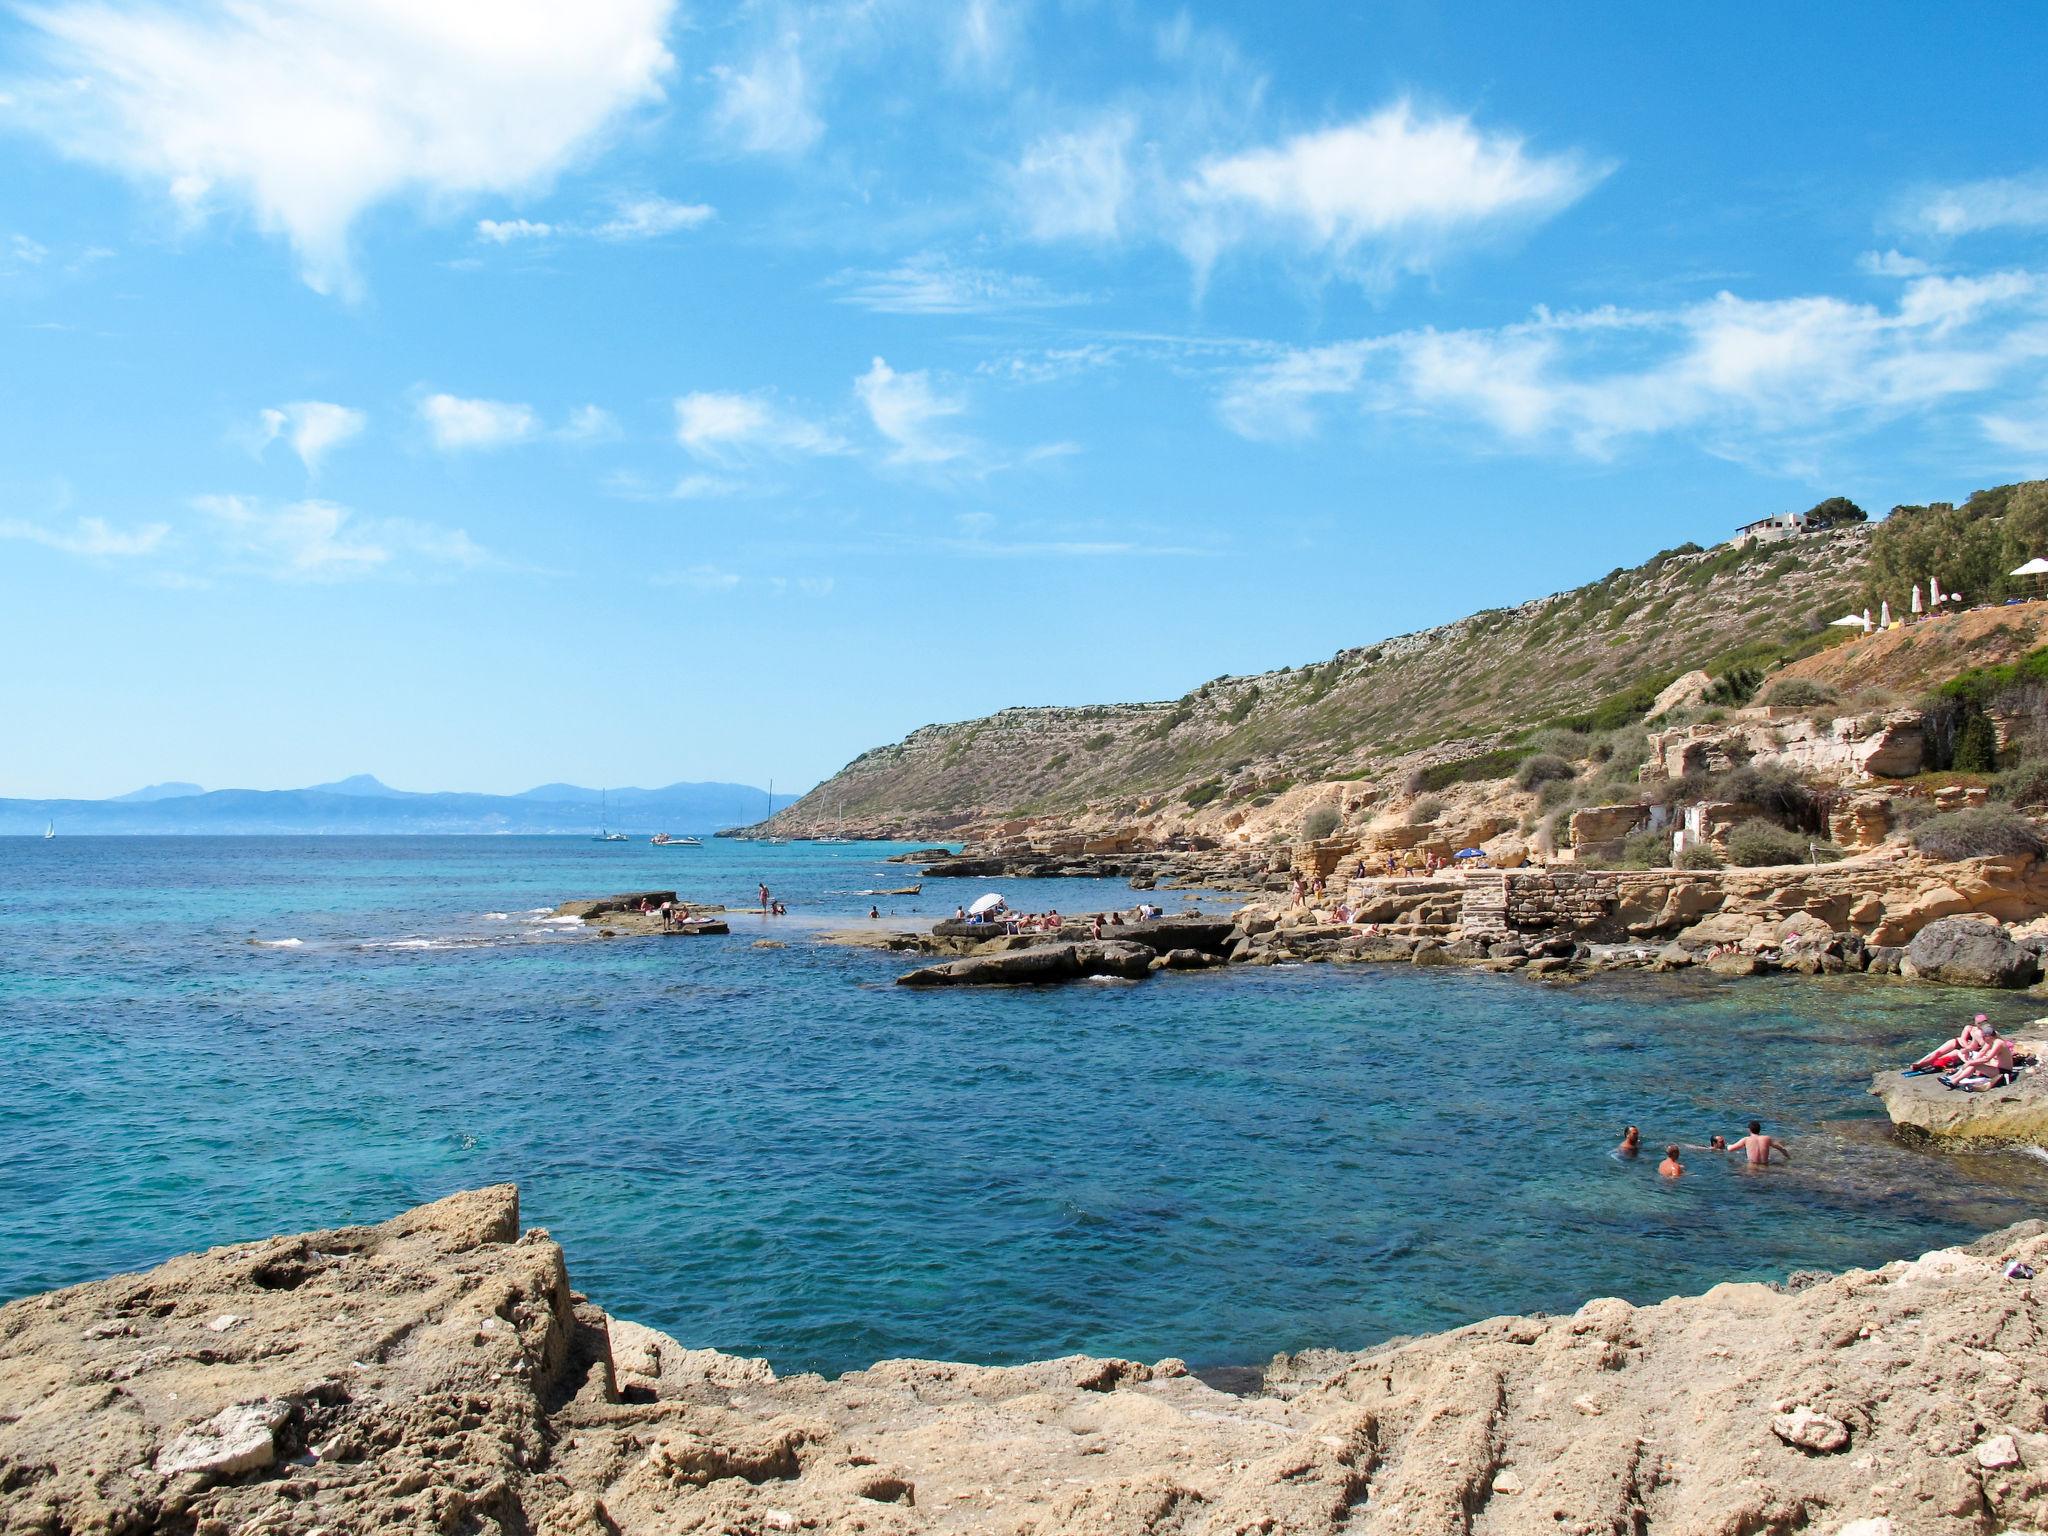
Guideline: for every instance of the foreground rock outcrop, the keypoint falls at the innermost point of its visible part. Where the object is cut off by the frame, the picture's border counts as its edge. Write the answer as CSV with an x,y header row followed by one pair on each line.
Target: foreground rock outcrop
x,y
437,1374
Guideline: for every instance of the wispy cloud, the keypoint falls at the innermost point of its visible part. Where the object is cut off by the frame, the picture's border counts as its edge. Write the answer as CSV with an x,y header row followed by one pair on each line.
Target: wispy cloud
x,y
911,412
313,428
724,426
933,284
1075,184
765,105
323,541
308,113
89,536
2011,202
642,218
457,424
1735,372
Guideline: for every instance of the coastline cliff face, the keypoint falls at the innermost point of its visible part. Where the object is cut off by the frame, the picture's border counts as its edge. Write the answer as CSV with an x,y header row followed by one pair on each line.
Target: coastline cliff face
x,y
437,1373
1365,713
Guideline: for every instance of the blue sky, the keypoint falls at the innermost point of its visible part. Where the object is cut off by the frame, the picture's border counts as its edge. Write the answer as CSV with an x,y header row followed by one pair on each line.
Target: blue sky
x,y
483,394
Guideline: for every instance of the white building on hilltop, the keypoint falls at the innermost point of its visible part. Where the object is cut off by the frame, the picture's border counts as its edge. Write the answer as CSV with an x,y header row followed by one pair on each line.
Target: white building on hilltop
x,y
1768,530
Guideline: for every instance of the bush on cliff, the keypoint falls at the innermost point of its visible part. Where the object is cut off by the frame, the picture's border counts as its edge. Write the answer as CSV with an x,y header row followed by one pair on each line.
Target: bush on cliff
x,y
1757,842
1801,693
1425,811
1646,850
1774,789
1976,746
1698,856
2025,787
1320,822
1978,832
1543,768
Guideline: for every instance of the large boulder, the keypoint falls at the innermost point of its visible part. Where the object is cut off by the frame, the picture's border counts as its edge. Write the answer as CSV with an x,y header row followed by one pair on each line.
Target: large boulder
x,y
1966,952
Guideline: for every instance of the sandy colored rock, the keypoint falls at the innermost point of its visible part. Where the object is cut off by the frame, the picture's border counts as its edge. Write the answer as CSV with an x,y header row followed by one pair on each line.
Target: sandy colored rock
x,y
436,1374
2017,1112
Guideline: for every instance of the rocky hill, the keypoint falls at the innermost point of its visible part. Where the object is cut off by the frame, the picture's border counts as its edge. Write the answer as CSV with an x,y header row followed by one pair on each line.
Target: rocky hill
x,y
1596,654
438,1373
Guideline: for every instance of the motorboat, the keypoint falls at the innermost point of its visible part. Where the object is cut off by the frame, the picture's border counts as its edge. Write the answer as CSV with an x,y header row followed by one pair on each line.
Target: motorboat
x,y
663,840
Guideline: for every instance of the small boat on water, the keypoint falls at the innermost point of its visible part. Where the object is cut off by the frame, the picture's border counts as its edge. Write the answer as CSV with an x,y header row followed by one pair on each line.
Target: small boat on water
x,y
663,840
604,835
50,830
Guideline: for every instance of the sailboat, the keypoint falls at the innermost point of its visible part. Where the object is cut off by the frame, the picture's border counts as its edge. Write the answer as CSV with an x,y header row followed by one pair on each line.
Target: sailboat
x,y
603,834
839,822
50,830
771,814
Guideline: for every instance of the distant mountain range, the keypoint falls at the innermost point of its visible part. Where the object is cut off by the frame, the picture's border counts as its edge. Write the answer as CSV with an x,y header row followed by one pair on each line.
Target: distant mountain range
x,y
364,804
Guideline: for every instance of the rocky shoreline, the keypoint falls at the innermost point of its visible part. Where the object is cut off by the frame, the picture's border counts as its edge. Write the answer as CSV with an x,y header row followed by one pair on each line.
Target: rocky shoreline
x,y
438,1373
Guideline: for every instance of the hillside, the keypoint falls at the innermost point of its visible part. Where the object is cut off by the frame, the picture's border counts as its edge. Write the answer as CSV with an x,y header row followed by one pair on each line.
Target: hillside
x,y
1598,652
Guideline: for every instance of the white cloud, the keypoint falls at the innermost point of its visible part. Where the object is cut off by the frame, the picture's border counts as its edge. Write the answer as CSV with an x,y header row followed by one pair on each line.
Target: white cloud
x,y
2012,202
766,107
719,426
309,112
458,424
322,541
647,217
703,578
312,427
932,284
705,488
643,218
908,411
1892,264
1074,185
985,34
589,424
1733,371
505,231
90,536
1392,185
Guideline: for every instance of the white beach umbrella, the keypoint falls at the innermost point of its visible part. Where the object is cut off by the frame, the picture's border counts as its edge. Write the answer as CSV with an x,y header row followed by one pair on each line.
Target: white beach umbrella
x,y
1933,593
2034,567
989,903
1866,621
1848,621
1884,614
1916,597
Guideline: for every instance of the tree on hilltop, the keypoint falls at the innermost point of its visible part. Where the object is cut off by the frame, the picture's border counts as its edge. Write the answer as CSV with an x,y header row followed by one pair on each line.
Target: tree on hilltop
x,y
1834,512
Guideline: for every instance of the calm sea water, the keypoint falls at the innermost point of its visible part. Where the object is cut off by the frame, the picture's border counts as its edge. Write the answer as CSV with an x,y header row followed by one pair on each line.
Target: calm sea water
x,y
778,1152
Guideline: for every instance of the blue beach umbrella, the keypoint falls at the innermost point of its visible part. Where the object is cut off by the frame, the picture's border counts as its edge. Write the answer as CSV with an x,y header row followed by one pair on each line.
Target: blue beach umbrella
x,y
1471,853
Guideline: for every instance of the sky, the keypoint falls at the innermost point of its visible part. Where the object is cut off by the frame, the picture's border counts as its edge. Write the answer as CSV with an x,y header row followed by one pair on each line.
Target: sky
x,y
487,392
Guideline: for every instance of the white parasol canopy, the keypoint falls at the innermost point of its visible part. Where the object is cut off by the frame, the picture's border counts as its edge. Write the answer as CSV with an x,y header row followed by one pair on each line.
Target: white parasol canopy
x,y
989,903
1884,614
1849,621
1916,597
2034,567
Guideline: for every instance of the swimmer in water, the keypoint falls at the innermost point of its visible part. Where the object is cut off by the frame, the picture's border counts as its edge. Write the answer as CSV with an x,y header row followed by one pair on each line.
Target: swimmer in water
x,y
1671,1167
1631,1143
1758,1147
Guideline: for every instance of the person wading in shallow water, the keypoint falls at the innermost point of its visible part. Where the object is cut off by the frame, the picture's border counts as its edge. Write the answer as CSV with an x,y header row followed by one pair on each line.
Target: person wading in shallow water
x,y
1758,1147
764,898
1631,1143
1671,1167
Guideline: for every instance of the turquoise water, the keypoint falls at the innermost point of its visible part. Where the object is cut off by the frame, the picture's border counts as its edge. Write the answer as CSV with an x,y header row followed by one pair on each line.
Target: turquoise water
x,y
778,1152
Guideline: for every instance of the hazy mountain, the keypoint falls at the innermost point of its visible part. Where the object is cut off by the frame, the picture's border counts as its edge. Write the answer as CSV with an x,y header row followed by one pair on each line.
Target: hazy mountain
x,y
173,789
362,804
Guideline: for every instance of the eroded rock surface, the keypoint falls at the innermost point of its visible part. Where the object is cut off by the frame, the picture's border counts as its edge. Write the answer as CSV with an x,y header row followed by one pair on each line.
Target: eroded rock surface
x,y
437,1374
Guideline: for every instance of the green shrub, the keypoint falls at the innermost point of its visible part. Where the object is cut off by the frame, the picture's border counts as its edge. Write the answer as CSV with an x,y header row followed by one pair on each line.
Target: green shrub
x,y
2025,787
1246,703
1646,849
1629,745
1801,693
1698,856
1497,764
1758,842
1772,788
1556,741
1978,831
1976,745
1736,685
1057,760
1202,794
1543,768
1098,741
1425,811
1558,792
1320,822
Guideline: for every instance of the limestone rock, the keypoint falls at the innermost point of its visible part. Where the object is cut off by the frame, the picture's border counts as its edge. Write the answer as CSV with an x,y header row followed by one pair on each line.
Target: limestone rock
x,y
235,1440
1998,1453
1737,965
2017,1112
450,1381
1811,1430
1684,693
1966,953
1037,965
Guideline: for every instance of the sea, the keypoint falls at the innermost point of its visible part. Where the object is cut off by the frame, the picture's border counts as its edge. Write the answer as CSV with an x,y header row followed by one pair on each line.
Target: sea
x,y
776,1151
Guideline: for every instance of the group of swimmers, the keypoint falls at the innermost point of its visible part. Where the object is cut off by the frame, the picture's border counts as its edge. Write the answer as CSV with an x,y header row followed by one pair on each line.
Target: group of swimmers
x,y
1978,1058
1756,1146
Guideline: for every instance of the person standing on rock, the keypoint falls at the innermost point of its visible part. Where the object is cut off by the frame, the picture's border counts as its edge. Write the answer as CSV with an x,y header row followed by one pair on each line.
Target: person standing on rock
x,y
764,899
1758,1147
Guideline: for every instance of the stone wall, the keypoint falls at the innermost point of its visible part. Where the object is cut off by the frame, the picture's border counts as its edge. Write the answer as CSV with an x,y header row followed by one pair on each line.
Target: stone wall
x,y
1540,900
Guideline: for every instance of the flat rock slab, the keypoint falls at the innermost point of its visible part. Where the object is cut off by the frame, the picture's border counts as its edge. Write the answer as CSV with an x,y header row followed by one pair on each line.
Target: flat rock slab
x,y
2017,1112
1038,965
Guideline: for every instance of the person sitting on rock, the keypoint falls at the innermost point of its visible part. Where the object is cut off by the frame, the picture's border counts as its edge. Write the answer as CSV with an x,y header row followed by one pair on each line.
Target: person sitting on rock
x,y
1968,1042
960,915
1990,1066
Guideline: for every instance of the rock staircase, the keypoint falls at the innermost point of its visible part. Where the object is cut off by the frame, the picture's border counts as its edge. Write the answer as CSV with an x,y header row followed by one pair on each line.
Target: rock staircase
x,y
1483,914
